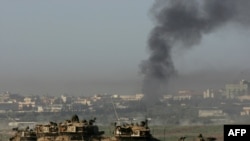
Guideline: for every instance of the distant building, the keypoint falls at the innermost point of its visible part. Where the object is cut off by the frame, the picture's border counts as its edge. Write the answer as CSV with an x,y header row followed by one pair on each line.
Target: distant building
x,y
51,108
209,93
135,97
27,102
179,96
245,111
4,96
40,109
182,97
167,97
244,98
211,113
83,101
235,90
97,97
120,106
64,98
102,97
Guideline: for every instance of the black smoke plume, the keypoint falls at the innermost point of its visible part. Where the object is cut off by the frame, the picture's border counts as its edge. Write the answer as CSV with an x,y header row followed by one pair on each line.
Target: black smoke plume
x,y
184,22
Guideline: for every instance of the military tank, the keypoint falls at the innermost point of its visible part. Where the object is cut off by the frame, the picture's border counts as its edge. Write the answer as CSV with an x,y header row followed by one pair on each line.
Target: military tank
x,y
125,131
75,129
46,132
69,130
23,135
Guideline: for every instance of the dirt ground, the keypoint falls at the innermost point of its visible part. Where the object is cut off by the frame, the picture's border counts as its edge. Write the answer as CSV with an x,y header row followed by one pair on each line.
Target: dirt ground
x,y
190,133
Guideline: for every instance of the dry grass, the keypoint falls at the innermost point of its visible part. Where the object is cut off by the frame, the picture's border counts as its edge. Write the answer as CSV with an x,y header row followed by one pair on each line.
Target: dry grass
x,y
173,133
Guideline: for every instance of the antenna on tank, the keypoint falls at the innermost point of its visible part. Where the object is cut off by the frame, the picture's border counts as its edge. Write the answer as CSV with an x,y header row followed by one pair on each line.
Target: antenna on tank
x,y
114,109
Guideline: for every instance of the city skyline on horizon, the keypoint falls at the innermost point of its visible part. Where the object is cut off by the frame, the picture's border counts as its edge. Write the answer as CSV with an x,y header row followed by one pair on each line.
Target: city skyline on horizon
x,y
88,47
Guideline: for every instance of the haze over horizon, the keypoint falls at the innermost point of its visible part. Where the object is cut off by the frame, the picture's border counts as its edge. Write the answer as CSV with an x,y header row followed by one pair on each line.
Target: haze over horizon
x,y
91,47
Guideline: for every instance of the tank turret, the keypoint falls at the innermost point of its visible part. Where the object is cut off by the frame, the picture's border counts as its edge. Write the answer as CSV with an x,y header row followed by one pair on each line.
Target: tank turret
x,y
46,132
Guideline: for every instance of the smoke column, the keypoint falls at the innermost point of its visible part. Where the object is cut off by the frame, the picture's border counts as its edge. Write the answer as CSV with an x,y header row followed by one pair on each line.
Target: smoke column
x,y
184,22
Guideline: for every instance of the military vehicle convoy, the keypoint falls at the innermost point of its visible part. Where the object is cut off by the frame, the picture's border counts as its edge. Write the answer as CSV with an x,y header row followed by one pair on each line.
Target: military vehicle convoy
x,y
69,130
76,130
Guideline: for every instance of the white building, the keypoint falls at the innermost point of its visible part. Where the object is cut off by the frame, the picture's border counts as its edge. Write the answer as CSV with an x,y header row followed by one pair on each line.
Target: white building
x,y
211,113
245,111
135,97
27,102
209,93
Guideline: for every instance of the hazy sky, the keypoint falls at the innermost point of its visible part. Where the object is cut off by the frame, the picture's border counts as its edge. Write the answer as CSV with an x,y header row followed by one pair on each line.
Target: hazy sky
x,y
84,47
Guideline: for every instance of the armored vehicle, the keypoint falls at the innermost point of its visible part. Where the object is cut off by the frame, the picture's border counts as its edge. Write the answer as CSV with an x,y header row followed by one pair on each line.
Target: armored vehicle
x,y
23,135
69,130
133,132
46,132
75,129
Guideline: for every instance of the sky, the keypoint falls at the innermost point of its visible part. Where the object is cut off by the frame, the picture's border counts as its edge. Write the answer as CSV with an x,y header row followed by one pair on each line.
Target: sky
x,y
90,47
